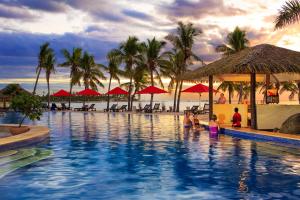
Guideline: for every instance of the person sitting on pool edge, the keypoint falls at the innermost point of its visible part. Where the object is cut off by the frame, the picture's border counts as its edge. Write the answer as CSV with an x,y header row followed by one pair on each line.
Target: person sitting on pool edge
x,y
187,122
213,126
237,118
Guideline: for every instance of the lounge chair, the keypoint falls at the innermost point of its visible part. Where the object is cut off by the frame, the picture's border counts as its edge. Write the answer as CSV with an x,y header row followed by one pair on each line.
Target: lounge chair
x,y
122,108
194,109
112,108
64,107
146,107
92,107
54,107
205,109
155,108
83,108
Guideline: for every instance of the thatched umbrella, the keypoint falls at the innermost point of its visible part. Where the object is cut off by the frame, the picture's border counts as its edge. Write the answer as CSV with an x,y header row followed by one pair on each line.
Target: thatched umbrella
x,y
262,59
10,91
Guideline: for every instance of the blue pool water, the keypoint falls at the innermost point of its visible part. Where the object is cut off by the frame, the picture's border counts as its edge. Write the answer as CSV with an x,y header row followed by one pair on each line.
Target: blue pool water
x,y
123,156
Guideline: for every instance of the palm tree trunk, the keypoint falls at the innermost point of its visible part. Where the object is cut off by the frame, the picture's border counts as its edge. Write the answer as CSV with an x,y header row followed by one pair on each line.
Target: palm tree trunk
x,y
108,91
71,87
230,94
152,84
253,102
179,95
36,81
240,93
129,94
48,86
298,91
175,96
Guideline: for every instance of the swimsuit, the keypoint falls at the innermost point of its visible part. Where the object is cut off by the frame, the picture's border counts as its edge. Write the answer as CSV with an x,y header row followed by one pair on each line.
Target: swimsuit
x,y
213,130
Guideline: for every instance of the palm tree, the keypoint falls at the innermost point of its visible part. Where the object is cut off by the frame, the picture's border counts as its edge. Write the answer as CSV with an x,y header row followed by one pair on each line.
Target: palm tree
x,y
183,40
228,86
153,59
49,68
288,14
91,73
129,53
236,41
289,87
112,69
42,58
73,60
173,70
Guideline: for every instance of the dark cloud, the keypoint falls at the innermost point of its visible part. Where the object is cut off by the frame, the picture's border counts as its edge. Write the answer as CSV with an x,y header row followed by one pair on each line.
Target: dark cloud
x,y
13,12
184,8
21,50
44,5
136,14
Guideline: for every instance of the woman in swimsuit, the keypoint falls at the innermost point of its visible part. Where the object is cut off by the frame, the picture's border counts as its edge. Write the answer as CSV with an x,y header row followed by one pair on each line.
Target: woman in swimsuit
x,y
213,126
196,124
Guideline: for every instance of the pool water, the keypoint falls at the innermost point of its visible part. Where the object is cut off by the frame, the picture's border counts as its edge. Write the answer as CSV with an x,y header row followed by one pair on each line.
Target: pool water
x,y
136,156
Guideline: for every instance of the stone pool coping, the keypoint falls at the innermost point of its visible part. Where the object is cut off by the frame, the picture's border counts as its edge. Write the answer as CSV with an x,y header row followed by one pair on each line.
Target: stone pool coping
x,y
247,133
34,135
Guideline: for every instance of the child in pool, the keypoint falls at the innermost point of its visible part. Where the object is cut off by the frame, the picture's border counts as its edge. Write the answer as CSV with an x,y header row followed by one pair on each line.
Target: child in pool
x,y
213,126
196,123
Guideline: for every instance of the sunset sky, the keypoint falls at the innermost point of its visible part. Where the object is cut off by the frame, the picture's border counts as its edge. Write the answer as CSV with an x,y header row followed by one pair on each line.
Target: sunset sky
x,y
98,26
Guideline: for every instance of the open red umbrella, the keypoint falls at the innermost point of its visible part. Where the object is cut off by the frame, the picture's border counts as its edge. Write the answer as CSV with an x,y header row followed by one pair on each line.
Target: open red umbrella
x,y
117,91
88,92
61,93
152,90
199,88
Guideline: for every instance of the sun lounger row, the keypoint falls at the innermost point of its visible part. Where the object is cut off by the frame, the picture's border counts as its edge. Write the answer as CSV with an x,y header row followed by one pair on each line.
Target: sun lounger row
x,y
114,108
147,108
195,109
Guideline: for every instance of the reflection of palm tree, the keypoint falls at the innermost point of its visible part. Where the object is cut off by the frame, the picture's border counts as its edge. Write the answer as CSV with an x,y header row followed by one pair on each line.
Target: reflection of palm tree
x,y
153,59
112,69
227,86
183,40
73,61
289,87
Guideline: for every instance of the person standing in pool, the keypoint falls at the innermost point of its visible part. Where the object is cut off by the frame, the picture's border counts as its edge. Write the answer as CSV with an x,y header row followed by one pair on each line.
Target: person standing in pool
x,y
237,118
196,123
187,122
213,126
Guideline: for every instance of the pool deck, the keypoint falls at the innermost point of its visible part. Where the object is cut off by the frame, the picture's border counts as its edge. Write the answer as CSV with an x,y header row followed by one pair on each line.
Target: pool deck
x,y
34,135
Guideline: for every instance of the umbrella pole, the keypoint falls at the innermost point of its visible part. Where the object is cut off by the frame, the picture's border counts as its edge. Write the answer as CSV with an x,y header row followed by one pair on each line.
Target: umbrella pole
x,y
199,99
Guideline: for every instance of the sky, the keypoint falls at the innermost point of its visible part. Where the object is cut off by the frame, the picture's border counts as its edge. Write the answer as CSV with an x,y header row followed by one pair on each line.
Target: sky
x,y
99,26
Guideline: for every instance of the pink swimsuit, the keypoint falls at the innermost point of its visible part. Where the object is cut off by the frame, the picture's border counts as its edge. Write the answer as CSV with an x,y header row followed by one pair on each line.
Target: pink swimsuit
x,y
213,130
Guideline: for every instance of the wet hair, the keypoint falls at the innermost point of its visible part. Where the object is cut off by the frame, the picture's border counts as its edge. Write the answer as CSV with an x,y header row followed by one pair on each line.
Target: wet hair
x,y
236,110
214,117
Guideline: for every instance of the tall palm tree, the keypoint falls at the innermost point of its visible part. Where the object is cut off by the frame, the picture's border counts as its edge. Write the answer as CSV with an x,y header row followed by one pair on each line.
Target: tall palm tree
x,y
183,40
288,14
42,58
49,68
73,60
113,70
91,73
129,53
152,57
173,70
289,87
235,42
228,86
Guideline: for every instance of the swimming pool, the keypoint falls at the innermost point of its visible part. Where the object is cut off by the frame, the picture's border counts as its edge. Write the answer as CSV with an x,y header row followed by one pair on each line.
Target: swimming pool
x,y
133,156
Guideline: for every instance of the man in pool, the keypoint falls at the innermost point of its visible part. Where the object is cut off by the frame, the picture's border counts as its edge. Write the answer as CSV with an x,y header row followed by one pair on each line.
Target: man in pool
x,y
237,118
196,123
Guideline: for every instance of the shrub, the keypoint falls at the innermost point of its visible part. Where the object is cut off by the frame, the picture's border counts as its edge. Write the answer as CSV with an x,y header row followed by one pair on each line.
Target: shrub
x,y
29,106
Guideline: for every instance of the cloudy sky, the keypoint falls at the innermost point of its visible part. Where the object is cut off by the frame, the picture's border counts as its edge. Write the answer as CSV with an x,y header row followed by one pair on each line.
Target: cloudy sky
x,y
99,25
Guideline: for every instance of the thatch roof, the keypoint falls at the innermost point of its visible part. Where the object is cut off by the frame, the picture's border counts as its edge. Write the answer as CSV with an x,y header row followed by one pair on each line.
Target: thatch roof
x,y
260,59
12,90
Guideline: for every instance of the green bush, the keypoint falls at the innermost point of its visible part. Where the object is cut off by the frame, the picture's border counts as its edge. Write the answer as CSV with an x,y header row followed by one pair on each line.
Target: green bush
x,y
29,106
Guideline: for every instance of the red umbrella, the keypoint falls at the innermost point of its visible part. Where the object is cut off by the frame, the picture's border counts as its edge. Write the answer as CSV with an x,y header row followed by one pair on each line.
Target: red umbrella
x,y
151,90
199,88
88,92
61,93
117,90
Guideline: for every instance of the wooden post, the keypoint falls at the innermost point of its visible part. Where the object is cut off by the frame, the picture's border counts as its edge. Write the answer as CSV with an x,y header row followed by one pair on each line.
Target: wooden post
x,y
210,99
267,87
253,101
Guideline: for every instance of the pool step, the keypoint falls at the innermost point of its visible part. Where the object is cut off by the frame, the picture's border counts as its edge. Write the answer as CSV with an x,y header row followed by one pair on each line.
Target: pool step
x,y
8,153
21,159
